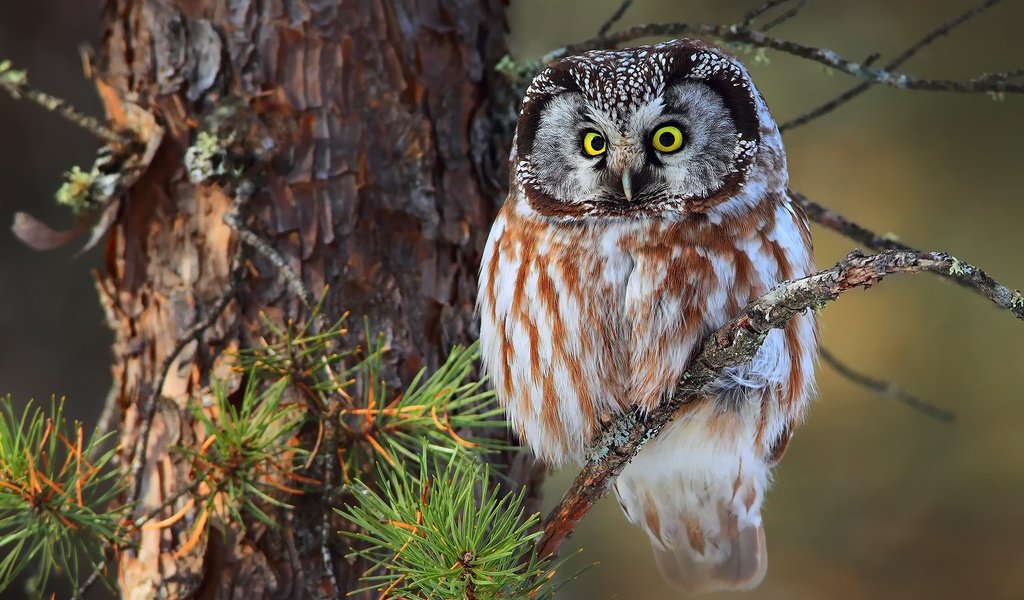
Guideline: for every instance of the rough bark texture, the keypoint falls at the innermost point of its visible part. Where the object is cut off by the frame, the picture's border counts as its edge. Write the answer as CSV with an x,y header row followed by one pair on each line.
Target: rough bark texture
x,y
381,168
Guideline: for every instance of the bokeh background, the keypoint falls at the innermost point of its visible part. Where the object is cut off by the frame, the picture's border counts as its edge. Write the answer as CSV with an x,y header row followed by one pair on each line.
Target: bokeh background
x,y
872,500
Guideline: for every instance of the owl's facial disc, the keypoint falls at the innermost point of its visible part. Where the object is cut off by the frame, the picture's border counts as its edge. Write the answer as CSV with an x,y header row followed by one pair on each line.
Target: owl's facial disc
x,y
677,146
666,130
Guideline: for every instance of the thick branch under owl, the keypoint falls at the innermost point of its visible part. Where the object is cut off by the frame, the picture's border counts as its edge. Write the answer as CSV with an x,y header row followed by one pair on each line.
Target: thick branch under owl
x,y
734,344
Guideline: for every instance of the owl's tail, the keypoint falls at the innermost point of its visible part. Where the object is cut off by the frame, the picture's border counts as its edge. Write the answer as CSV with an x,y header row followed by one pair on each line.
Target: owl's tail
x,y
697,492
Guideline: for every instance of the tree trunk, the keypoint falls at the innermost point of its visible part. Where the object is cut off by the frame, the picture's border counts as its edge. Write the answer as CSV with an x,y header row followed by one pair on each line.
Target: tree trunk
x,y
382,165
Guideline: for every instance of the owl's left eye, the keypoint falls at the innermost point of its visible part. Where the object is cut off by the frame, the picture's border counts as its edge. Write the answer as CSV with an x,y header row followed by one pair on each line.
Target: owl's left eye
x,y
667,139
593,143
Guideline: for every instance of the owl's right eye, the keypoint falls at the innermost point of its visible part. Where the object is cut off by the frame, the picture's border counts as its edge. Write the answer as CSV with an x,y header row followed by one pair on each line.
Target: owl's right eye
x,y
593,143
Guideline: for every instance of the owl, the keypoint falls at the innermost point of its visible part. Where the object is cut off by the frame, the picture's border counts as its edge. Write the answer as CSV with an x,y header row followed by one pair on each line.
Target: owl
x,y
647,207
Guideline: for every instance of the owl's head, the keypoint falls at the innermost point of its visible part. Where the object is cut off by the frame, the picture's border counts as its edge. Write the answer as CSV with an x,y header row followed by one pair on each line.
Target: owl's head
x,y
667,130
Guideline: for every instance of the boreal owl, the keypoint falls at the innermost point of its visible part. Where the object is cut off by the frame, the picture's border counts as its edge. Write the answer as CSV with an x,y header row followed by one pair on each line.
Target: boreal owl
x,y
647,206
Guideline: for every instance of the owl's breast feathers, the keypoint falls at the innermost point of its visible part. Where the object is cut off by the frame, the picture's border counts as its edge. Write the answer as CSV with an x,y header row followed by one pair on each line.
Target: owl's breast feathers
x,y
581,320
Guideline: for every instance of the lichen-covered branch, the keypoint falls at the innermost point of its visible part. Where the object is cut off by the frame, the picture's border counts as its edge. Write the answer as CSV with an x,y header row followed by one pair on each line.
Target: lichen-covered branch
x,y
929,38
736,33
733,344
614,18
960,272
15,82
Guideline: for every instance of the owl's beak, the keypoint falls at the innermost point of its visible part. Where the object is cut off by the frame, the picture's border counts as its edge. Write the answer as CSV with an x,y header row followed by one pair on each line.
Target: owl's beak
x,y
627,185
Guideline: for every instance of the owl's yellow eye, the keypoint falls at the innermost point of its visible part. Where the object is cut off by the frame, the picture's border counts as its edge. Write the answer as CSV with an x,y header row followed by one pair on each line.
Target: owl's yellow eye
x,y
667,138
594,144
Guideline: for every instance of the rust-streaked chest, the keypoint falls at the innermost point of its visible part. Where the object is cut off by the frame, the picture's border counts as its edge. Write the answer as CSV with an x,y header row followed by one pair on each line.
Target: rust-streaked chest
x,y
584,318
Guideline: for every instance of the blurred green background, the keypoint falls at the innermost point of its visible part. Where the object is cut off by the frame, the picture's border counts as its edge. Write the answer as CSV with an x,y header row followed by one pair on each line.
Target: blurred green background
x,y
872,500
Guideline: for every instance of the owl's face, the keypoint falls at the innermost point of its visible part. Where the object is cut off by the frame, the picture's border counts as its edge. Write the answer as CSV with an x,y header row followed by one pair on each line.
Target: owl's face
x,y
664,130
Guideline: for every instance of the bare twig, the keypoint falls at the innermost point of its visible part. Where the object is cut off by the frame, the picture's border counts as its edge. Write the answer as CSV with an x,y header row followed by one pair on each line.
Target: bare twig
x,y
758,39
789,14
325,550
752,15
97,570
253,240
191,488
292,279
886,389
1011,74
906,55
15,83
616,16
962,273
733,344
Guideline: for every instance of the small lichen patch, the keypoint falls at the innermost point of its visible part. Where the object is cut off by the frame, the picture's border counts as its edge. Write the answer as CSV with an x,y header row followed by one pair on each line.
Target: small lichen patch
x,y
76,191
1016,300
11,76
957,268
617,436
516,73
205,158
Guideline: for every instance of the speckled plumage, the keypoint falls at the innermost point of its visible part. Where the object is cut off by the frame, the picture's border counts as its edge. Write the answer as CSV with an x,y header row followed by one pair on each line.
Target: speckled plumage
x,y
597,289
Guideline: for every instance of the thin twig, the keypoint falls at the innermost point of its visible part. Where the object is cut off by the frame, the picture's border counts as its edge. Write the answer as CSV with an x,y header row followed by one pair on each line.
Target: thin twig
x,y
831,105
906,55
325,551
758,39
285,270
97,568
733,344
789,14
15,83
1011,74
886,389
616,16
962,273
752,15
291,277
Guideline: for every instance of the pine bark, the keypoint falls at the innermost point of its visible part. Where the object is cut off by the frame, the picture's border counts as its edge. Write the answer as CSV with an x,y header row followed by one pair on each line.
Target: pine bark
x,y
383,132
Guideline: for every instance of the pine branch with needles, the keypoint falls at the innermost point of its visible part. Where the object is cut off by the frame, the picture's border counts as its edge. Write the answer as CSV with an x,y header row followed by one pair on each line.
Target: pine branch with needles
x,y
56,485
447,530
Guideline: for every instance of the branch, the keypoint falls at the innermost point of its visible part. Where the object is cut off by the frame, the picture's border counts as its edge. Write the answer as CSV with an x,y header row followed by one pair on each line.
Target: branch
x,y
750,17
98,567
886,388
733,344
789,14
996,83
939,32
15,83
616,16
962,273
250,238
